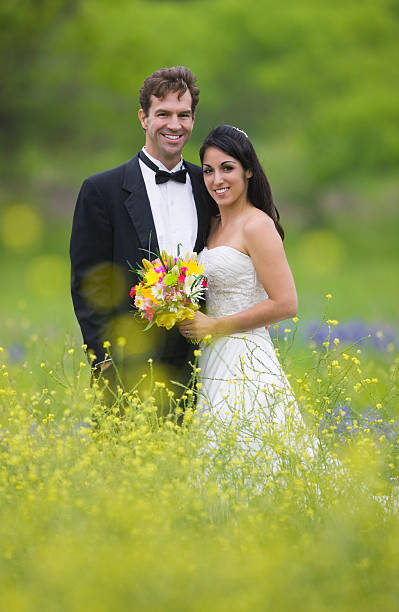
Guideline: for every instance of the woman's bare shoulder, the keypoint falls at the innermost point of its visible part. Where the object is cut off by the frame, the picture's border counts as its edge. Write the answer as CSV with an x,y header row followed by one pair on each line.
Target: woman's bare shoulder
x,y
258,224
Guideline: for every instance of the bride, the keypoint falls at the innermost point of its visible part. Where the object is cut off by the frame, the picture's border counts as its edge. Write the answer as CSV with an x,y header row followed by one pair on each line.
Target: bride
x,y
250,286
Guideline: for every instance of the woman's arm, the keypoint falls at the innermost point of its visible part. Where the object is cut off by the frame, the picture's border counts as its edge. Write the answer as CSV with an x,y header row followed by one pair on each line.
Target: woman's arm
x,y
265,248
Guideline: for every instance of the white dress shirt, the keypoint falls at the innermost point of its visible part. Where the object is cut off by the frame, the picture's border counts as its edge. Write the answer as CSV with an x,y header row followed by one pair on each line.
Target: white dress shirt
x,y
173,209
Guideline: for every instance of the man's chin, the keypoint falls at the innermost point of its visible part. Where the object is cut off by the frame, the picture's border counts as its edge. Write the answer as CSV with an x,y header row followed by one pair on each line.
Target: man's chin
x,y
171,152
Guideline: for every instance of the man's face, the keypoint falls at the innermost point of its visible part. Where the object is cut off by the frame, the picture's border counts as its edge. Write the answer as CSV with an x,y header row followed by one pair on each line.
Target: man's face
x,y
168,126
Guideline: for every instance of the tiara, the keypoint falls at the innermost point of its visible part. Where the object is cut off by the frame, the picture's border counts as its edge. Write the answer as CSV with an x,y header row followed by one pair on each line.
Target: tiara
x,y
238,130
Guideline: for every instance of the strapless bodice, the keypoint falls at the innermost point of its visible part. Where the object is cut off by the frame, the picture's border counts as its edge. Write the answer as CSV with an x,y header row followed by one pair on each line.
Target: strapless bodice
x,y
233,284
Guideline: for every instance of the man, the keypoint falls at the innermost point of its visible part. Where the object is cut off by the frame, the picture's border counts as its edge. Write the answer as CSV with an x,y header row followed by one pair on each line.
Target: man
x,y
153,202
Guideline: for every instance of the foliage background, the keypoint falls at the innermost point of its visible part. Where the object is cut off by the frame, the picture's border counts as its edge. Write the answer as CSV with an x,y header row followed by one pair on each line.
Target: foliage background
x,y
313,85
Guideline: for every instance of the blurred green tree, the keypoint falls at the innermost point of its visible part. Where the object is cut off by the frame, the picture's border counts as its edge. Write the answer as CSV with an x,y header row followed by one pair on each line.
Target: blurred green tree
x,y
313,84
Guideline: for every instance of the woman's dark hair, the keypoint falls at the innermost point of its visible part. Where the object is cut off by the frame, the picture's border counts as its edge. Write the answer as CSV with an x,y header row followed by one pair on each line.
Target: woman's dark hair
x,y
236,143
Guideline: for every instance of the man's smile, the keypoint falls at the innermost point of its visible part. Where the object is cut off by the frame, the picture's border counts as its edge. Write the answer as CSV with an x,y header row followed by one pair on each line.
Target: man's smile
x,y
172,136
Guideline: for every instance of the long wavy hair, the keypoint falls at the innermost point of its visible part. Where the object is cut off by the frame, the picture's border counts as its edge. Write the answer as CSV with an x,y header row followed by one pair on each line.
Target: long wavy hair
x,y
236,143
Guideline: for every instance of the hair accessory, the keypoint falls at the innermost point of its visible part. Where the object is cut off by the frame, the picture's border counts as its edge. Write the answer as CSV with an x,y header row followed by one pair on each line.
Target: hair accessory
x,y
238,130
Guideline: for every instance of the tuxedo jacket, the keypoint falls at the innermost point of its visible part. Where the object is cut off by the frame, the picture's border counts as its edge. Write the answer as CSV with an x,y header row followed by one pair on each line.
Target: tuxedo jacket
x,y
112,230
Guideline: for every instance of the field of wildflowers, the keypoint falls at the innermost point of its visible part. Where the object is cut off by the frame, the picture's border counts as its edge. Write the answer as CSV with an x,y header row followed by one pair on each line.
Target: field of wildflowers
x,y
103,512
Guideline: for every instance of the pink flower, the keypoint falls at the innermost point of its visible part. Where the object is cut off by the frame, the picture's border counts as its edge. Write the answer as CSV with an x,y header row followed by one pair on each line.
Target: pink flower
x,y
148,309
133,291
204,283
181,279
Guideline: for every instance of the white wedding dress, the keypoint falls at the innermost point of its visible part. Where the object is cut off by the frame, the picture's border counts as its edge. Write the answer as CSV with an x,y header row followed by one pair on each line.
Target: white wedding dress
x,y
243,383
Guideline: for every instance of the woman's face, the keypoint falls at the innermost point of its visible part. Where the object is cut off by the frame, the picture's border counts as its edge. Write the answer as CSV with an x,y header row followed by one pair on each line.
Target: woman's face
x,y
224,177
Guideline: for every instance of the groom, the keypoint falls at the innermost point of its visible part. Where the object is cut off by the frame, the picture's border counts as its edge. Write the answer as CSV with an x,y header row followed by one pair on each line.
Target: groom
x,y
153,202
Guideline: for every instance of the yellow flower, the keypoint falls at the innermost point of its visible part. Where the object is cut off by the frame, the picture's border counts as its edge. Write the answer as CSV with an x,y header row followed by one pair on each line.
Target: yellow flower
x,y
168,320
147,265
194,268
185,313
146,292
151,277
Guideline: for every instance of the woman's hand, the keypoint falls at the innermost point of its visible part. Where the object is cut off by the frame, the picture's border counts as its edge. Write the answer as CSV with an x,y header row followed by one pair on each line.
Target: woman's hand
x,y
197,328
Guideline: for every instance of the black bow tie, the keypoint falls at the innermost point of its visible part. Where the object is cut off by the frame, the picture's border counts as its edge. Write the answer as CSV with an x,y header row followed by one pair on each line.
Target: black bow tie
x,y
161,176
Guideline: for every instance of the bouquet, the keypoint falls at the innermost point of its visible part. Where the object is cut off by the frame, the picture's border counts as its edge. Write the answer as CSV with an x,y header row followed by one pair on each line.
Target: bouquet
x,y
169,290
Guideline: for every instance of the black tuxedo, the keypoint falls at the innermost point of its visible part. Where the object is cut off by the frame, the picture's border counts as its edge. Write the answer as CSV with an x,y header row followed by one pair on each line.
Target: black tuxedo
x,y
113,229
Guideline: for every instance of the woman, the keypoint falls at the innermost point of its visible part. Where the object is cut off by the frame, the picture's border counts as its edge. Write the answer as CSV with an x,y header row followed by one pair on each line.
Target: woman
x,y
250,286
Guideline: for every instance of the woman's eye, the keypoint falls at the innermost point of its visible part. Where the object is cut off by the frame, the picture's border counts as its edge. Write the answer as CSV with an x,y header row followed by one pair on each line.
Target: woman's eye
x,y
207,171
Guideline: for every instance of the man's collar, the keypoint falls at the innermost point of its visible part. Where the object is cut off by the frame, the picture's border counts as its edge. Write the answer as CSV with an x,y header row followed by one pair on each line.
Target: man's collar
x,y
160,165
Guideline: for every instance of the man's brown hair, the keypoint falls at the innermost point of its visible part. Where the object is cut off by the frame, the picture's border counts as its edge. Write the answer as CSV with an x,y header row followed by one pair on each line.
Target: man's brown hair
x,y
165,80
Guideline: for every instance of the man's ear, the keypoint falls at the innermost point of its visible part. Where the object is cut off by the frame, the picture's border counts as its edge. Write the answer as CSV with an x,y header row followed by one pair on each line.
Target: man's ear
x,y
142,118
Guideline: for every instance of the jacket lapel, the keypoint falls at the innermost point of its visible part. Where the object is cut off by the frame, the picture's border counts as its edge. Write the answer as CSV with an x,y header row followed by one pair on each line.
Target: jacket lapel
x,y
138,207
200,205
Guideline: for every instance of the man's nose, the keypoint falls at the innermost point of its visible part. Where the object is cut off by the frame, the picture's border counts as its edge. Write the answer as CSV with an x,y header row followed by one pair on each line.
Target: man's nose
x,y
173,122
